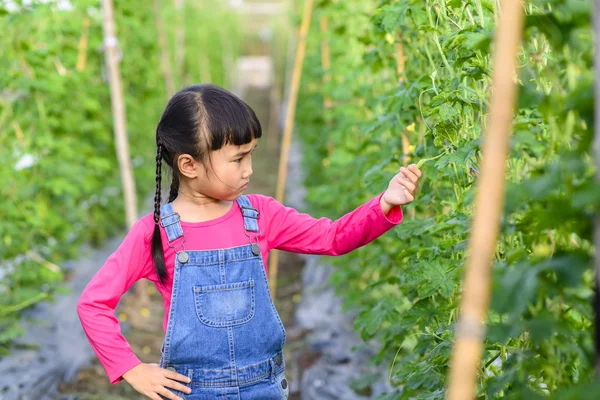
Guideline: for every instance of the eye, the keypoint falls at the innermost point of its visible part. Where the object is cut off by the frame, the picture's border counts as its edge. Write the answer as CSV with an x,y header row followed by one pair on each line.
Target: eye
x,y
238,160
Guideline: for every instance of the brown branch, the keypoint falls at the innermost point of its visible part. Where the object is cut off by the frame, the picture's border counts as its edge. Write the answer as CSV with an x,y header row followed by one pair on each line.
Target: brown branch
x,y
83,44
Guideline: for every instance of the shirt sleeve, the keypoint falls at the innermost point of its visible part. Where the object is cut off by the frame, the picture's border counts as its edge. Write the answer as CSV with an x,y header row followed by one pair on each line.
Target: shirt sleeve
x,y
289,230
96,307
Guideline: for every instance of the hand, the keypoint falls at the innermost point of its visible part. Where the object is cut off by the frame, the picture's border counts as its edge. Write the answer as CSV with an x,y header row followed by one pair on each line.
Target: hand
x,y
402,188
152,381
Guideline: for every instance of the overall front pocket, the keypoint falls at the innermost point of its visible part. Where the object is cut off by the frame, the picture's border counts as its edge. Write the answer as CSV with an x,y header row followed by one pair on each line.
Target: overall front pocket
x,y
226,304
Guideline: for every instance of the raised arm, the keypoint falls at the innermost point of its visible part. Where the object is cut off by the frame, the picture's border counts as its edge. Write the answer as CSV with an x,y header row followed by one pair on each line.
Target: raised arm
x,y
290,230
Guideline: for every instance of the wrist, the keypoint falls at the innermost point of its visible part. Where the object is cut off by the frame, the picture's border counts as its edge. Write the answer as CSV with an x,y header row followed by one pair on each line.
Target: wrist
x,y
385,206
129,373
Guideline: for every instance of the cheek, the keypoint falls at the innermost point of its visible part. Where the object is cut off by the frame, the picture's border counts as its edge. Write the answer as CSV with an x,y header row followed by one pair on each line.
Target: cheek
x,y
228,173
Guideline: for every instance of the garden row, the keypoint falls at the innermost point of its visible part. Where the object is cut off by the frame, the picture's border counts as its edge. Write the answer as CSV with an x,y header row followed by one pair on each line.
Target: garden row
x,y
410,80
60,178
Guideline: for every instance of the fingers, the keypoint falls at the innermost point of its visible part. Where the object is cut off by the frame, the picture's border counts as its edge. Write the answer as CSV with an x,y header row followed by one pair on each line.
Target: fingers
x,y
177,386
411,173
411,187
176,376
172,380
168,394
415,170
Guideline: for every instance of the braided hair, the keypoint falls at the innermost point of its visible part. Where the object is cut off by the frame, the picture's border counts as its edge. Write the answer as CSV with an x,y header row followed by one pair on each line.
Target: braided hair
x,y
197,120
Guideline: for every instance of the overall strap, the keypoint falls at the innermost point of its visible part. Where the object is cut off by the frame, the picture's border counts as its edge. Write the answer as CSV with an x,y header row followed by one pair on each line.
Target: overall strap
x,y
169,219
250,214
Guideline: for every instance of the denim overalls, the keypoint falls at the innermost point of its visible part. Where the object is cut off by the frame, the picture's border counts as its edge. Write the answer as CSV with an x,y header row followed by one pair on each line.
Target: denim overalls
x,y
223,330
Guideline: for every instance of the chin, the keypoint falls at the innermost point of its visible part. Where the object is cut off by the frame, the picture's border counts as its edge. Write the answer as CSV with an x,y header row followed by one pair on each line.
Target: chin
x,y
233,196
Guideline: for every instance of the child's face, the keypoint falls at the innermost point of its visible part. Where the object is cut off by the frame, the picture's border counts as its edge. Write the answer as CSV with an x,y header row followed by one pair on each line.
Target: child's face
x,y
229,170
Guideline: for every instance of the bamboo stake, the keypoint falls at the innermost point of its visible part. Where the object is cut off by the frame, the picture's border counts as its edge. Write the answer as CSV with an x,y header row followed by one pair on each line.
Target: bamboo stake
x,y
400,58
118,111
400,71
83,44
18,131
405,148
165,58
326,64
466,355
120,128
406,162
596,20
287,76
288,129
275,103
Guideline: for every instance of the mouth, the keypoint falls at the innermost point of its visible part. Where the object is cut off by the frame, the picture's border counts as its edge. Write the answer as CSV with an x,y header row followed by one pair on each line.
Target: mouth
x,y
245,186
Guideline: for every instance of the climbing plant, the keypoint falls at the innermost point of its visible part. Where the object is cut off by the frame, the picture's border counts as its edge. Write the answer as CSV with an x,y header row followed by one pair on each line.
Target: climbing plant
x,y
411,80
60,180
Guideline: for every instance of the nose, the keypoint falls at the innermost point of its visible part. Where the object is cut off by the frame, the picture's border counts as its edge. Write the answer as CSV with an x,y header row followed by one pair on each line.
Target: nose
x,y
249,172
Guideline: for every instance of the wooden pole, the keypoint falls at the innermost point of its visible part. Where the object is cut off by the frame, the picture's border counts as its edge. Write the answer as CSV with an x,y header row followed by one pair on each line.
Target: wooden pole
x,y
286,77
120,127
165,58
83,44
399,46
466,356
325,64
288,128
275,103
118,112
400,58
596,151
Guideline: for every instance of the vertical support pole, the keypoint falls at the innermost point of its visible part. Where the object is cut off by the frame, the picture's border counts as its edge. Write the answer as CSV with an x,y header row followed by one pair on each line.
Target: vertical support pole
x,y
288,129
466,356
83,44
326,64
118,112
120,126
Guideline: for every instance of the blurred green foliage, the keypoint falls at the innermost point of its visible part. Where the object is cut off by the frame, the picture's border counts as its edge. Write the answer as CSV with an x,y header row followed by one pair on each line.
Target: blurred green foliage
x,y
406,285
59,173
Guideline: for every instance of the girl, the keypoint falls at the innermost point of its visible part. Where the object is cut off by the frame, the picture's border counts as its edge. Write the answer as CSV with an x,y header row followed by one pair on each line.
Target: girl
x,y
206,250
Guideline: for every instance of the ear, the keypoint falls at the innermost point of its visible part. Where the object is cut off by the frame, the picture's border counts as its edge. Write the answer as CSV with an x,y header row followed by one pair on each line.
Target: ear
x,y
187,165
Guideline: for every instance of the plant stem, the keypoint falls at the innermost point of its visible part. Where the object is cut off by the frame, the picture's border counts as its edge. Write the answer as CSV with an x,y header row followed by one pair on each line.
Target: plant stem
x,y
17,307
423,161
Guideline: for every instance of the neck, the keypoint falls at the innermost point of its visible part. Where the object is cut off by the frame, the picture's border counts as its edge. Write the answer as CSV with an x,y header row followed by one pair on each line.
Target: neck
x,y
188,196
185,195
193,206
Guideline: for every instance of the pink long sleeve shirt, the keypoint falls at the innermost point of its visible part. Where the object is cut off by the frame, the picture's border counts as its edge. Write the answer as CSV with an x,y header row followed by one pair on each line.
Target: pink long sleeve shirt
x,y
282,228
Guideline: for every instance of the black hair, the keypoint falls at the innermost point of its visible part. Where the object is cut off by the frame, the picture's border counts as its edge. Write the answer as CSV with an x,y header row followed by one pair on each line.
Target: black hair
x,y
197,120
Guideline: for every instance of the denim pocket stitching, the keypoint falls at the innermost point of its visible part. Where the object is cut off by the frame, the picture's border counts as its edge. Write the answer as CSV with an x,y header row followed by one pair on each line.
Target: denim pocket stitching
x,y
201,291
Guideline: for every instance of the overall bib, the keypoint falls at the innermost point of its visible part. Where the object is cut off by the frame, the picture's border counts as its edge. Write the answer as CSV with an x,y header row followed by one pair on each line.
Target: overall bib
x,y
223,332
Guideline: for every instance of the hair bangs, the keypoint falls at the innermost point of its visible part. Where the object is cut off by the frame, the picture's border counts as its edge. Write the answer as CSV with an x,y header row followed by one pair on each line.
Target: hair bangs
x,y
231,120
